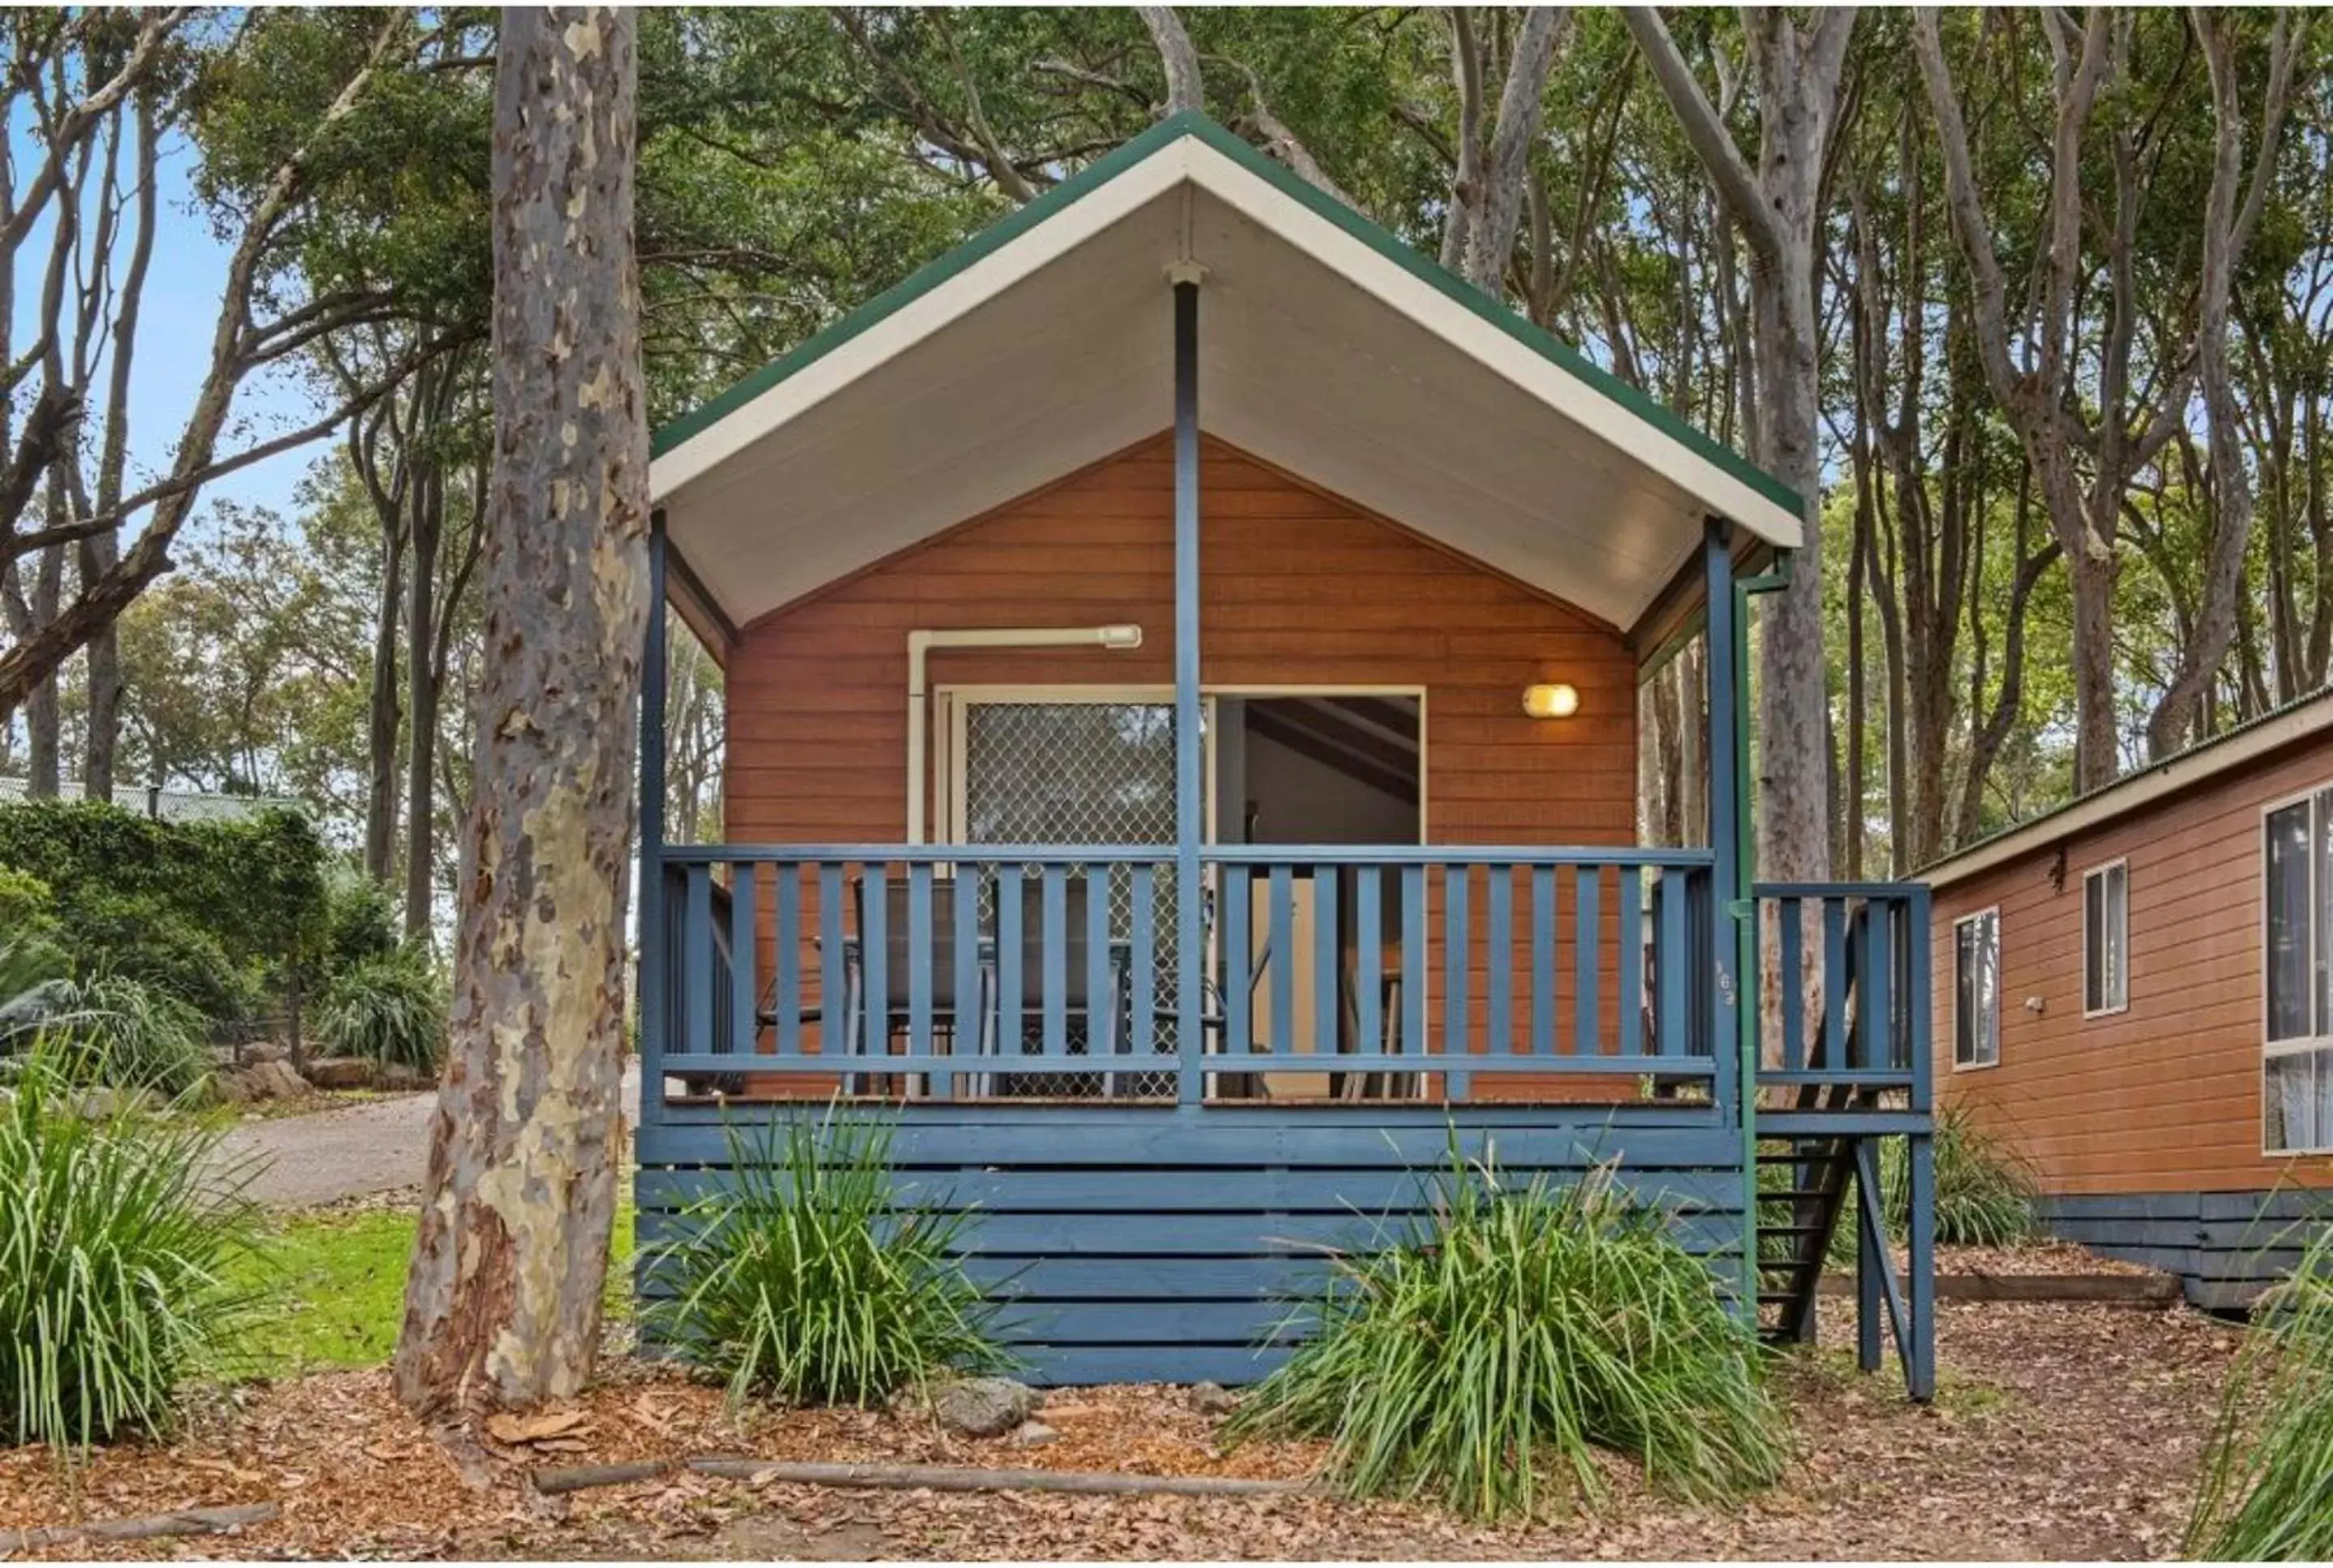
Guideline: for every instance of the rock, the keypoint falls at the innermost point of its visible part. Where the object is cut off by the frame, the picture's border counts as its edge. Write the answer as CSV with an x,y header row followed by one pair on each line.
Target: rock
x,y
399,1075
982,1406
260,1081
1032,1435
1212,1399
265,1051
340,1073
101,1100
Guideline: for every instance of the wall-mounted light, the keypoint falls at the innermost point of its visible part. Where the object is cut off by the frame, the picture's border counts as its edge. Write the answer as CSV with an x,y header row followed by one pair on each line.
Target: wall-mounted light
x,y
1559,700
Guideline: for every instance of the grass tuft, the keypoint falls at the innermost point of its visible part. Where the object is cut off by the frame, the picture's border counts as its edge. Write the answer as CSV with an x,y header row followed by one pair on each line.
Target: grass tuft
x,y
390,1010
806,1281
118,1232
2268,1472
1515,1328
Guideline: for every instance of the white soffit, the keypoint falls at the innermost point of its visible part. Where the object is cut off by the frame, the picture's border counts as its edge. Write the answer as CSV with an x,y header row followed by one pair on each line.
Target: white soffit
x,y
1318,353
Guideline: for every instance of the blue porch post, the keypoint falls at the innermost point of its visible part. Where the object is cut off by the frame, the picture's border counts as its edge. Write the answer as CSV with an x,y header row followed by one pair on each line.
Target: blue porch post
x,y
654,966
1921,1370
1730,891
1190,934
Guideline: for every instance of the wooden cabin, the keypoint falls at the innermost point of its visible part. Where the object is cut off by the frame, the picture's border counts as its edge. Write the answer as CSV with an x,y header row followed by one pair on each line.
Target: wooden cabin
x,y
2137,993
1182,653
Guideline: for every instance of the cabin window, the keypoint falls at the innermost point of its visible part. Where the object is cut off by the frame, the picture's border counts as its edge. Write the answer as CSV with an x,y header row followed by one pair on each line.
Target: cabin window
x,y
2105,939
1976,990
2297,1077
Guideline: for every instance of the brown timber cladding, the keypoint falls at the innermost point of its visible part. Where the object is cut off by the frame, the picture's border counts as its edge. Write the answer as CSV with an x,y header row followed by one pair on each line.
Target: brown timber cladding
x,y
1298,588
2165,1095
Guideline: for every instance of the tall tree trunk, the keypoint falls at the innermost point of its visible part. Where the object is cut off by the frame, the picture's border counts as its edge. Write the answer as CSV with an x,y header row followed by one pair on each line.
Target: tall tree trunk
x,y
502,1305
422,610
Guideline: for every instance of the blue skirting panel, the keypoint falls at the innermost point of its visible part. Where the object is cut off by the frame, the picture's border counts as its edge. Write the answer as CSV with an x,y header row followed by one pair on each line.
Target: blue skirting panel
x,y
2225,1246
1135,1244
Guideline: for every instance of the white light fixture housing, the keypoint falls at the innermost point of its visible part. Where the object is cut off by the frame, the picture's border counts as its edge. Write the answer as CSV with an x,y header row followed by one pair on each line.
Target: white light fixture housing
x,y
1557,701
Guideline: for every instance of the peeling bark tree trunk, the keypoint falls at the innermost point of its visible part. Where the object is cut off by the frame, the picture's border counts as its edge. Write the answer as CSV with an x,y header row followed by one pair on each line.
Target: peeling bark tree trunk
x,y
502,1305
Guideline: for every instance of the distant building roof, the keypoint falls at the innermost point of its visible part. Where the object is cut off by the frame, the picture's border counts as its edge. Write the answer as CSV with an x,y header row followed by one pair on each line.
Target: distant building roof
x,y
170,805
2182,770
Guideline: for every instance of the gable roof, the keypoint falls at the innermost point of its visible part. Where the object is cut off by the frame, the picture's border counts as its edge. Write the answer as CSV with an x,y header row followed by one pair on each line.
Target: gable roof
x,y
2258,738
1328,346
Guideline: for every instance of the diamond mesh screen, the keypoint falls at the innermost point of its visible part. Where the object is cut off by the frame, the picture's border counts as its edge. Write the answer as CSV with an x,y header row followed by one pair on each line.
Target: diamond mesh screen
x,y
1082,773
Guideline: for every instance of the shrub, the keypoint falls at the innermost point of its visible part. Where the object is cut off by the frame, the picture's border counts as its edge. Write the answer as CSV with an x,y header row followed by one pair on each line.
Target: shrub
x,y
390,1010
1514,1324
360,921
1985,1190
803,1281
27,907
116,1232
2268,1471
139,937
113,1029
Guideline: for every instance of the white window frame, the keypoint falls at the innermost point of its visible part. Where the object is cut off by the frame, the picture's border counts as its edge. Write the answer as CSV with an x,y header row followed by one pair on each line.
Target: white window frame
x,y
1992,912
2099,873
2298,1044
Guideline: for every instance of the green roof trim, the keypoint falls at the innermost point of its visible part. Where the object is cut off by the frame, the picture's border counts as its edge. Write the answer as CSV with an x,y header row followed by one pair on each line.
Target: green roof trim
x,y
938,270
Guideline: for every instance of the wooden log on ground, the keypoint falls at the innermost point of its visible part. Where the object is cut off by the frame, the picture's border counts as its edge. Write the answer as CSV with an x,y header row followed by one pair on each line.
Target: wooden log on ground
x,y
2134,1290
937,1478
152,1526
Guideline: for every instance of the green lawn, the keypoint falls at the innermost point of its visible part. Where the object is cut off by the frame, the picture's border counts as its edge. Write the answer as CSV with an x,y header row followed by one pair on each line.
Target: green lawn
x,y
332,1288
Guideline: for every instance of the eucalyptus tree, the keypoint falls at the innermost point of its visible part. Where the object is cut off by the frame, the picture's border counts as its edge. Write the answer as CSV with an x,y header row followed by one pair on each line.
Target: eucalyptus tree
x,y
1778,209
502,1303
72,76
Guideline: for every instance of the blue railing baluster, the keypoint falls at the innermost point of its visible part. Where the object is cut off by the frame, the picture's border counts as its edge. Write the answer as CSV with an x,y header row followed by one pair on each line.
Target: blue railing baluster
x,y
1369,943
1456,953
875,956
1412,960
1009,997
1143,941
744,961
1791,965
1632,961
1834,984
1672,1024
1543,967
1498,961
920,1036
969,1020
1282,960
1327,1017
1879,960
1053,956
788,924
835,1037
1586,961
697,936
1103,1000
1239,962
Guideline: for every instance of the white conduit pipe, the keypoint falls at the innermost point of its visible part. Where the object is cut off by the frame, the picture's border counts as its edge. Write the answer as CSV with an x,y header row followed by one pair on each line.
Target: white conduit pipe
x,y
921,642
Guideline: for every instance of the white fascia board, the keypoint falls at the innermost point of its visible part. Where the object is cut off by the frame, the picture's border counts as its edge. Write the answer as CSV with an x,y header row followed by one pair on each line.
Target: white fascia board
x,y
1578,402
895,334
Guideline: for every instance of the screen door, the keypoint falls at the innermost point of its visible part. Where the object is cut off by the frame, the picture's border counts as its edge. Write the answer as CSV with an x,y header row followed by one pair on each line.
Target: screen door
x,y
1084,770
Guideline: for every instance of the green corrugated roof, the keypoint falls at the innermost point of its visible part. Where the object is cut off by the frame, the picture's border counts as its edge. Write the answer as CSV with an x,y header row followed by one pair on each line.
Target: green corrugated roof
x,y
1376,237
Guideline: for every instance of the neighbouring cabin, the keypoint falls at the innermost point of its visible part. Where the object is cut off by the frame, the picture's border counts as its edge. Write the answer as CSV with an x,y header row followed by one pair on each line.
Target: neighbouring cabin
x,y
1182,653
2135,993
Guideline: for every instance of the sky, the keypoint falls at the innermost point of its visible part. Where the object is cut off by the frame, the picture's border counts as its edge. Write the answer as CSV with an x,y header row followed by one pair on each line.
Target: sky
x,y
184,283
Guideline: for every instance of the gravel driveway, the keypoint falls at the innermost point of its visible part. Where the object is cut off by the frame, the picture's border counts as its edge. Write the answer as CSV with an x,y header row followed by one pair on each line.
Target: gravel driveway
x,y
350,1152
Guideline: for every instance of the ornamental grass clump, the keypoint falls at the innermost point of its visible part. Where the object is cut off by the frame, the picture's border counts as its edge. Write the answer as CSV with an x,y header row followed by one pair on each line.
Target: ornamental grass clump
x,y
1515,1331
807,1281
391,1010
2267,1490
118,1232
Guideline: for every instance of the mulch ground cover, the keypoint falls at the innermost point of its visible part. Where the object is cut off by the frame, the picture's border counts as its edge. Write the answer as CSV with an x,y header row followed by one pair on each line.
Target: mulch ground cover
x,y
2061,1431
